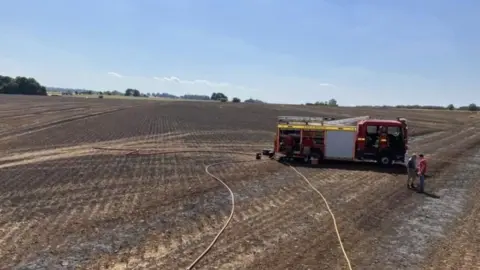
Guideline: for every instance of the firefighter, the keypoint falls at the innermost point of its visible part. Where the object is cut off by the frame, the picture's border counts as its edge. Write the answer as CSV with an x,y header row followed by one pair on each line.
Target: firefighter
x,y
289,145
412,171
307,144
383,138
275,143
422,169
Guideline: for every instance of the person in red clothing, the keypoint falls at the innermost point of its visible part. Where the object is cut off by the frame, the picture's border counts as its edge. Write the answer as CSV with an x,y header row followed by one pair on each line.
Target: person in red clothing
x,y
307,144
422,169
383,138
289,144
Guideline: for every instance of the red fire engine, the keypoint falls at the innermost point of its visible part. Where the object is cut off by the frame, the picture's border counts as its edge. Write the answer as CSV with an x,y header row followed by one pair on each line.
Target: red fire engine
x,y
359,138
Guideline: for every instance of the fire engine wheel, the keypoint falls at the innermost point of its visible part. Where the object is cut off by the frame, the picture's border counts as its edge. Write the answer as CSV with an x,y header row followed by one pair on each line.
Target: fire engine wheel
x,y
385,161
306,159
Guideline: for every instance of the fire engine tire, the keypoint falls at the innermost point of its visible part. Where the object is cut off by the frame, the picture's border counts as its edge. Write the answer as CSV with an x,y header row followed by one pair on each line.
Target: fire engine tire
x,y
385,160
318,155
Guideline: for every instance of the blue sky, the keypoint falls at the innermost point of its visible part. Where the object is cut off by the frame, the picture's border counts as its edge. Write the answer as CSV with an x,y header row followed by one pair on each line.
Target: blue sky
x,y
358,52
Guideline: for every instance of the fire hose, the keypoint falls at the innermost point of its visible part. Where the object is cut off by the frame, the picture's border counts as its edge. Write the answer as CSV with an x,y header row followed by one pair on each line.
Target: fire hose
x,y
232,196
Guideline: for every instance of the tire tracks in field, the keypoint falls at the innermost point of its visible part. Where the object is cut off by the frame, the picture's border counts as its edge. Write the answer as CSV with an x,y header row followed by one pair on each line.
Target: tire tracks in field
x,y
22,132
23,158
40,113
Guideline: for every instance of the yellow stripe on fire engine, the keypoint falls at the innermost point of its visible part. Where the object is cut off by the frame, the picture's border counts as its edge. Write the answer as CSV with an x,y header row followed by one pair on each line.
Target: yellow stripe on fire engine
x,y
308,127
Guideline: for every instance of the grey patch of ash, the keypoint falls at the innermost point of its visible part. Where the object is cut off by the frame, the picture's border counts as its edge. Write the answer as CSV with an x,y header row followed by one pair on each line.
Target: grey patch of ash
x,y
425,136
428,223
264,186
221,202
76,254
209,204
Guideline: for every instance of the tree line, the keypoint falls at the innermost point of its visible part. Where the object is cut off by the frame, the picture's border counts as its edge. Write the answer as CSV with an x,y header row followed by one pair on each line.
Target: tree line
x,y
29,86
21,86
136,93
471,107
331,103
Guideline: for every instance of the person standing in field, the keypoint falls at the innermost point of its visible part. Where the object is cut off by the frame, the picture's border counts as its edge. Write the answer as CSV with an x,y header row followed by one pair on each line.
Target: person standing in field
x,y
422,169
289,145
412,171
307,144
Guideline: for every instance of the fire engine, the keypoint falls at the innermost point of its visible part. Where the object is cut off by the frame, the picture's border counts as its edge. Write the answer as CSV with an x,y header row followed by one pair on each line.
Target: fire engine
x,y
356,139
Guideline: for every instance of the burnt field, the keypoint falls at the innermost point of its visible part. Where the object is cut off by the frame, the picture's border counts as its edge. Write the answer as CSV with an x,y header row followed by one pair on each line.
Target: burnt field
x,y
117,184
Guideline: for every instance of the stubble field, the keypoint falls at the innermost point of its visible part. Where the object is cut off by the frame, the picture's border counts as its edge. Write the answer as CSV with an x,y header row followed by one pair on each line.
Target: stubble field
x,y
118,184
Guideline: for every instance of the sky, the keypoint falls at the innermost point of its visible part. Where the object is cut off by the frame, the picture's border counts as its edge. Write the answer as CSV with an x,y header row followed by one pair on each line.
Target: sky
x,y
382,52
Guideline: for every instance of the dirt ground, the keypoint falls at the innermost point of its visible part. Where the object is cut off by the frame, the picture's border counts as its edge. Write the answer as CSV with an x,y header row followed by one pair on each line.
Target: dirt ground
x,y
66,204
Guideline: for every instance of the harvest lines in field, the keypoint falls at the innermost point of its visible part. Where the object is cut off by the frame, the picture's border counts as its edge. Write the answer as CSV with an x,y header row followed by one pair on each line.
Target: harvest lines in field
x,y
69,200
232,196
45,126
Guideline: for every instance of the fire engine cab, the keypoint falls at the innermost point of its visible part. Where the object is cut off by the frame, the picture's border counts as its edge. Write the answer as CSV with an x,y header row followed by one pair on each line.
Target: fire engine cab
x,y
359,138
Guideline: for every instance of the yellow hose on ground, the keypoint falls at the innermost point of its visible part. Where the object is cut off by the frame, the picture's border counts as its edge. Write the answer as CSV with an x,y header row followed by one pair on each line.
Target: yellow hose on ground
x,y
137,152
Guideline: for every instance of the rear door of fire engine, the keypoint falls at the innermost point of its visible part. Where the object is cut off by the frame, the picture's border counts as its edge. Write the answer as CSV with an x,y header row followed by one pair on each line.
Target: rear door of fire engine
x,y
396,138
371,137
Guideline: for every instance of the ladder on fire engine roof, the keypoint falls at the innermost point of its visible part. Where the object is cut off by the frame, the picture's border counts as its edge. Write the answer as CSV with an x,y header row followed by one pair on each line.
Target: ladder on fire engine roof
x,y
303,119
348,121
321,120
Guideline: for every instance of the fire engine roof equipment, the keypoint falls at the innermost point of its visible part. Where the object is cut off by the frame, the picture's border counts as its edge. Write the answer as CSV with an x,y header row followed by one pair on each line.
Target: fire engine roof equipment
x,y
319,123
303,119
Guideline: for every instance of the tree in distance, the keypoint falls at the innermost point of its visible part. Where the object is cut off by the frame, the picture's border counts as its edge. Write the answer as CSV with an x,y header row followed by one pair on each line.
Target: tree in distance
x,y
236,100
473,107
218,96
21,86
251,100
132,92
331,103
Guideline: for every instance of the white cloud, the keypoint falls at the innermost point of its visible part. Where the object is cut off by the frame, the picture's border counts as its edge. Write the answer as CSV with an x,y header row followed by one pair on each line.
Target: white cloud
x,y
326,85
168,79
174,79
114,74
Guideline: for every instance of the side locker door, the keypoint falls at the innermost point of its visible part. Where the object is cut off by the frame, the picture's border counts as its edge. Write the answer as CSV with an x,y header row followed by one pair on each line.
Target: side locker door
x,y
360,143
318,142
